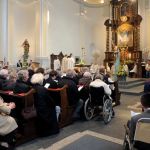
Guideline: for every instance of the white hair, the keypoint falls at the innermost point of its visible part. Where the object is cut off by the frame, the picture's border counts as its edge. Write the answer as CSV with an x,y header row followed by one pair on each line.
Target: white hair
x,y
4,72
70,73
23,75
87,74
37,78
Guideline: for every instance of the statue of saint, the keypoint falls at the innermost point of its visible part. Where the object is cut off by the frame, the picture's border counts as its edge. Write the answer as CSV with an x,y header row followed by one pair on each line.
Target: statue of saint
x,y
26,47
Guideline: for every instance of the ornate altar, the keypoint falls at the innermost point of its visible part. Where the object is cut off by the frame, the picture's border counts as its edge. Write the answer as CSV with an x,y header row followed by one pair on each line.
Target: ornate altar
x,y
123,31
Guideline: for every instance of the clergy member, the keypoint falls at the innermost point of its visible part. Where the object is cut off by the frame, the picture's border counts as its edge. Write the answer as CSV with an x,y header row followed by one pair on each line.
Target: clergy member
x,y
71,62
56,64
64,66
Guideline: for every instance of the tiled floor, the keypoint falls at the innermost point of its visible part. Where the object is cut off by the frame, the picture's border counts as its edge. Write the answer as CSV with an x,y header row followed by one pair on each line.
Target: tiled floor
x,y
114,128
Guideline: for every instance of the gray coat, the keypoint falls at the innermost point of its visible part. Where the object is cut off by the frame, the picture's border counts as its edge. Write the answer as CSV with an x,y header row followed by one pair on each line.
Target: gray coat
x,y
134,119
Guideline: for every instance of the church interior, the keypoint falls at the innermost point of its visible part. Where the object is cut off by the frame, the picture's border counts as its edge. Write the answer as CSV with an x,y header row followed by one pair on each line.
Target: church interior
x,y
74,74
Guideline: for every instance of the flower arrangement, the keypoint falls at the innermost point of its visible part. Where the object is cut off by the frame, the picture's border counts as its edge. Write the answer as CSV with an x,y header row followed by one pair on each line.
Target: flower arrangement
x,y
121,72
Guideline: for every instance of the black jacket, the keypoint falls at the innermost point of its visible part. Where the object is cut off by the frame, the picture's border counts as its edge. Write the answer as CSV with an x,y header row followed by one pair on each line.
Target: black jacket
x,y
72,90
46,114
21,87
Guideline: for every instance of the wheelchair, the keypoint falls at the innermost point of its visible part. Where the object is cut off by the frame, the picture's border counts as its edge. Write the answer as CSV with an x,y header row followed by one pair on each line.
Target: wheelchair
x,y
141,139
98,100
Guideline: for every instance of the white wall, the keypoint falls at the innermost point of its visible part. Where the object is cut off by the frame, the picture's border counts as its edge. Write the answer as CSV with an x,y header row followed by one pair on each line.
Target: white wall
x,y
21,26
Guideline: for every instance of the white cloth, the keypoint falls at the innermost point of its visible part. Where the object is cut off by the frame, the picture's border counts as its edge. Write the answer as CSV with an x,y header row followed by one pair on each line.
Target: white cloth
x,y
71,63
56,64
100,83
134,70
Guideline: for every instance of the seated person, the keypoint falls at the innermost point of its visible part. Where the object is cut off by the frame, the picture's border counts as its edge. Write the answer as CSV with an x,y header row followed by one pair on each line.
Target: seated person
x,y
46,114
21,85
10,82
7,123
3,77
72,92
99,83
85,82
53,80
145,101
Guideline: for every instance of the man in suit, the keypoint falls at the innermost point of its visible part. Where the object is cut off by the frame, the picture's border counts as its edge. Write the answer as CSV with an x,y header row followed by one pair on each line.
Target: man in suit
x,y
145,101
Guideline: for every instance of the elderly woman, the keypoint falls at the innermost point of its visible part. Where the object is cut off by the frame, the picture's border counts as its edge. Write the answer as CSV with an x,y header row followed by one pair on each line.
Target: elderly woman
x,y
21,85
7,123
46,115
85,81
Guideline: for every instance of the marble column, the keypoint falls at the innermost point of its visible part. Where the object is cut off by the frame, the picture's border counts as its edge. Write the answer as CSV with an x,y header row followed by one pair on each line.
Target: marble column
x,y
3,29
42,24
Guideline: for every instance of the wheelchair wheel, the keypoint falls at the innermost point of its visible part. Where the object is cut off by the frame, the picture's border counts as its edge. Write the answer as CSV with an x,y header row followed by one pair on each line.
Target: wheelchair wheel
x,y
88,110
126,144
107,111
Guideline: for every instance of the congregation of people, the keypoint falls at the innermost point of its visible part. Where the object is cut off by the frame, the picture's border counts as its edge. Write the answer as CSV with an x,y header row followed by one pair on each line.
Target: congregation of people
x,y
48,107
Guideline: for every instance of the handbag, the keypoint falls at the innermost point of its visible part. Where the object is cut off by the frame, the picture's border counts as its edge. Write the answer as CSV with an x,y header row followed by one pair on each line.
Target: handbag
x,y
29,111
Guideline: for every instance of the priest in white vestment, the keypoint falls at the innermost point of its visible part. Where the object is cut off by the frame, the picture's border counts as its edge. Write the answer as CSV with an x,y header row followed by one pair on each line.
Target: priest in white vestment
x,y
56,64
64,66
71,63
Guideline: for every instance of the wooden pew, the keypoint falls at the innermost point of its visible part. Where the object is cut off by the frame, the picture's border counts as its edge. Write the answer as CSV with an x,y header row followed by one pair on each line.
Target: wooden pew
x,y
66,110
28,127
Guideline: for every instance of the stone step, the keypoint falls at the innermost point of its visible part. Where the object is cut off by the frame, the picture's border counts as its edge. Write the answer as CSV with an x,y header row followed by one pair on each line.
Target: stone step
x,y
126,85
138,90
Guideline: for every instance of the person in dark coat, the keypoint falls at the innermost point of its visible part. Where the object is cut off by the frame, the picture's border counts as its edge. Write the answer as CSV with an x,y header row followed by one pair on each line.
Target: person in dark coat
x,y
3,77
10,83
31,73
19,64
46,114
145,114
21,85
52,80
85,82
72,92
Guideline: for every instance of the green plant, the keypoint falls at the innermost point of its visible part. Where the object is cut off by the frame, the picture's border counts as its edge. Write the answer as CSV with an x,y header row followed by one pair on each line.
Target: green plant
x,y
121,71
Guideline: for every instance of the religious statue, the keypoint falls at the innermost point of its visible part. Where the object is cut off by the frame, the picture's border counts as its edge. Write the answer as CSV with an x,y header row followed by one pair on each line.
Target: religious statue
x,y
26,47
